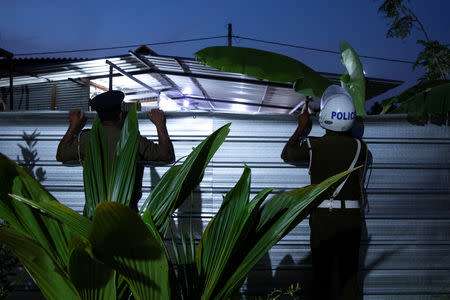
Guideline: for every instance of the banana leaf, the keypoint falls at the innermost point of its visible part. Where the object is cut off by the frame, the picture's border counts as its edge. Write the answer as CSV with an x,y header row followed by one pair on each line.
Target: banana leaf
x,y
420,101
266,224
50,234
177,183
264,65
354,80
103,182
122,241
93,279
50,276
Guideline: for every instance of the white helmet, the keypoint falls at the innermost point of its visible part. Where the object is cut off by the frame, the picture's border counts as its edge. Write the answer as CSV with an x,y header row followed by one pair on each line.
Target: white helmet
x,y
337,111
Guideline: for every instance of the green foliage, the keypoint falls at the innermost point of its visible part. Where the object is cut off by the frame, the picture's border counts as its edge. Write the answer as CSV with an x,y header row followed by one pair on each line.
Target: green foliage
x,y
291,292
433,102
354,80
269,223
188,284
106,182
401,18
47,273
92,278
435,57
265,65
425,100
179,181
121,240
400,28
8,268
279,68
96,167
72,257
52,235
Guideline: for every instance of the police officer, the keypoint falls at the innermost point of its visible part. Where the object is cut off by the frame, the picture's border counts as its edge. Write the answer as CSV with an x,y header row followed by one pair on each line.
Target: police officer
x,y
336,222
73,146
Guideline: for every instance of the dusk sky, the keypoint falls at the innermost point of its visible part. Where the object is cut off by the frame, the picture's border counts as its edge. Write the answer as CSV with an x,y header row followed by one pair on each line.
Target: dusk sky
x,y
50,25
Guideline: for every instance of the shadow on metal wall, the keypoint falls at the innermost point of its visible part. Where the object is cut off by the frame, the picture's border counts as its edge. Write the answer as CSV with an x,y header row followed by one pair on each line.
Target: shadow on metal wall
x,y
28,162
30,156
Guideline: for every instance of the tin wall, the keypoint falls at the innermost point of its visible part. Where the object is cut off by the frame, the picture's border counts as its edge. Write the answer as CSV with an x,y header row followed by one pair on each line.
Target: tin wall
x,y
405,253
38,96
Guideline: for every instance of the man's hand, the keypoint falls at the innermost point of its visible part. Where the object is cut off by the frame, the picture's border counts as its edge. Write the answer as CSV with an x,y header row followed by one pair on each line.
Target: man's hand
x,y
302,131
77,119
304,121
303,118
157,117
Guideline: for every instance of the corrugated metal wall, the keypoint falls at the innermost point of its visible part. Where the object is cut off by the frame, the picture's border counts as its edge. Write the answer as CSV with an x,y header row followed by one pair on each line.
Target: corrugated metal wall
x,y
405,252
38,96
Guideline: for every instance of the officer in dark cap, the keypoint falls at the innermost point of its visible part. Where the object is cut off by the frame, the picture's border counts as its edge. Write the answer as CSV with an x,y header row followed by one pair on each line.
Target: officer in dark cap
x,y
108,105
108,101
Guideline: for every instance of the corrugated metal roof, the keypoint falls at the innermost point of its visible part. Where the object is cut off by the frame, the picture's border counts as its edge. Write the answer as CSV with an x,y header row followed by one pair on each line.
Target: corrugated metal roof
x,y
181,79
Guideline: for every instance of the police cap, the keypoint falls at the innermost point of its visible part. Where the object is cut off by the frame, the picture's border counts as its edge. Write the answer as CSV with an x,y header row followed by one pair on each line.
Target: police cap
x,y
106,101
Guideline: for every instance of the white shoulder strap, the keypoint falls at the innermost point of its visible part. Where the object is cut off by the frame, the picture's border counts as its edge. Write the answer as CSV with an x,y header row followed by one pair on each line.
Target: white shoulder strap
x,y
78,148
310,155
352,165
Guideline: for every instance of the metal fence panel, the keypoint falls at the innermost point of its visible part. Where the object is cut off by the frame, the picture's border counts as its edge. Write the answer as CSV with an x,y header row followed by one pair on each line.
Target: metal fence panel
x,y
406,246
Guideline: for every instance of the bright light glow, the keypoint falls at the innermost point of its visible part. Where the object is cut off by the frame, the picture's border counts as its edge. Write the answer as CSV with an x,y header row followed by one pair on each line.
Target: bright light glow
x,y
238,107
185,103
128,99
149,104
167,104
364,71
187,91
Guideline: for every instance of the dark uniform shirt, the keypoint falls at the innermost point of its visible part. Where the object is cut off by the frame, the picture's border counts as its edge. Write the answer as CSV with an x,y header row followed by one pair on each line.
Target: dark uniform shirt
x,y
331,154
335,234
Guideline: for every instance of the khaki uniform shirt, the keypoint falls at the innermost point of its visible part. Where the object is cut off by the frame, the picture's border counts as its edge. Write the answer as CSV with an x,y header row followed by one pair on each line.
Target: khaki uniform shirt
x,y
147,150
332,154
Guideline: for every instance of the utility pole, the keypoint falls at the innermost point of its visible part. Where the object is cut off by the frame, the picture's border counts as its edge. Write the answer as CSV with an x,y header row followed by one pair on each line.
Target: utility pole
x,y
230,34
110,77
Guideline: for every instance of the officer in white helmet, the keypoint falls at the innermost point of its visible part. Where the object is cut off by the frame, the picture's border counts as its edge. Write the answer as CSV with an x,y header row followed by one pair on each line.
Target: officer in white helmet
x,y
336,222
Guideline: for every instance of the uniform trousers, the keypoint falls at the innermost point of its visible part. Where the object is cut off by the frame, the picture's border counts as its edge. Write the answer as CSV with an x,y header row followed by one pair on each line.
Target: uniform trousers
x,y
335,240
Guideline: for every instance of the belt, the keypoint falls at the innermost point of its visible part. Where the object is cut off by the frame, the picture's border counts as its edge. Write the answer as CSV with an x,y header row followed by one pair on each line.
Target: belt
x,y
337,204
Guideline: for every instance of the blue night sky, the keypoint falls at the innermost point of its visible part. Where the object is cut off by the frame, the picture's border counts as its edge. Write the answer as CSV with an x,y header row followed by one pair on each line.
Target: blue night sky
x,y
51,25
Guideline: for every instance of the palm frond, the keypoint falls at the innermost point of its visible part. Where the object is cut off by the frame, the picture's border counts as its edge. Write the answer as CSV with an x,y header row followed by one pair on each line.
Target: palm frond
x,y
93,279
50,234
50,276
121,240
179,181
